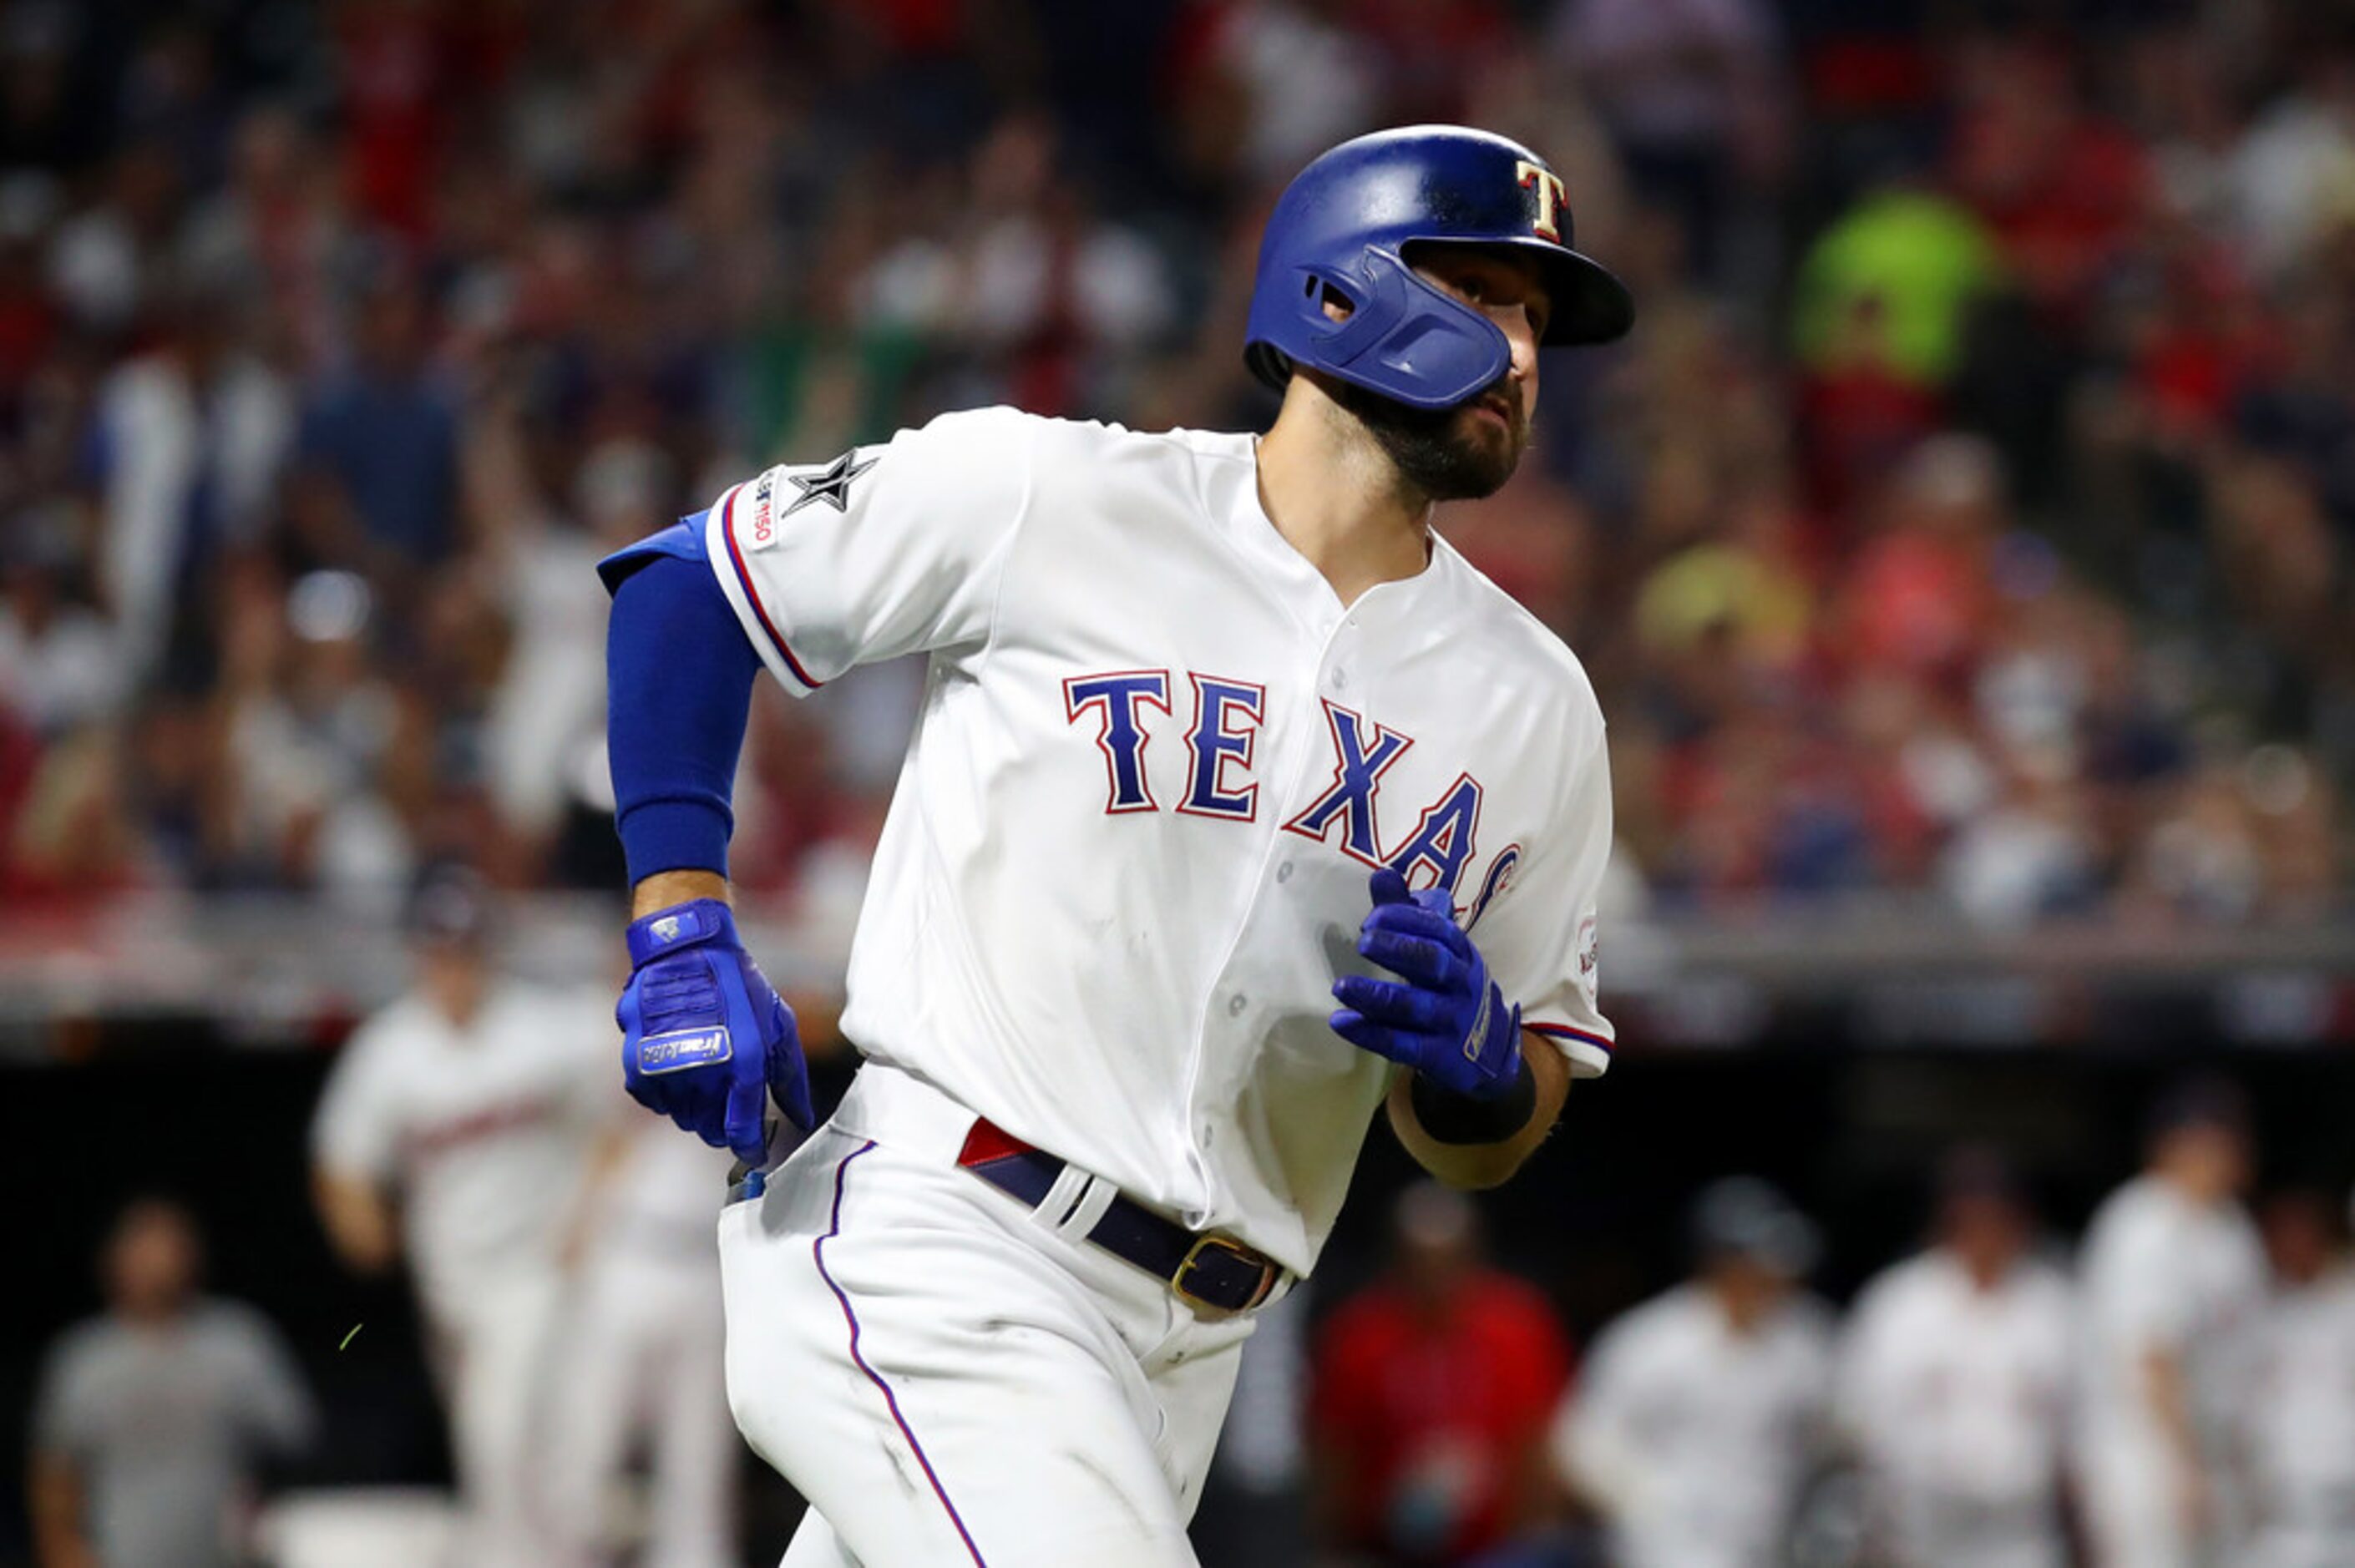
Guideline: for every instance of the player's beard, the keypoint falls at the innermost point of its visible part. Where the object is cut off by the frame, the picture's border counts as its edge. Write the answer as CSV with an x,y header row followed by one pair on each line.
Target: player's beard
x,y
1447,454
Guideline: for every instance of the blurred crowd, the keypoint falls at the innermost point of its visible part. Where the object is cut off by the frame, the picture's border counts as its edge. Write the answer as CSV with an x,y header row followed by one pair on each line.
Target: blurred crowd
x,y
2180,1392
1970,514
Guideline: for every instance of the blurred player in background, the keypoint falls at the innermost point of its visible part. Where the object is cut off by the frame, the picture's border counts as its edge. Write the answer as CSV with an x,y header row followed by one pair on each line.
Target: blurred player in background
x,y
1954,1383
645,1364
456,1126
2171,1276
151,1419
1432,1393
2297,1407
1701,1414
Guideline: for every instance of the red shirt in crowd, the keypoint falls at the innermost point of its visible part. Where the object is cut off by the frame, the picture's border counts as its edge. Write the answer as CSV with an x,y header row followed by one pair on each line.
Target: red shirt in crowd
x,y
1428,1412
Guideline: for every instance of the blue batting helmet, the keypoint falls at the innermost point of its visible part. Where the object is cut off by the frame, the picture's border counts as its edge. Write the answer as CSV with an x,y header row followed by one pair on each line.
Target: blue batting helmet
x,y
1343,225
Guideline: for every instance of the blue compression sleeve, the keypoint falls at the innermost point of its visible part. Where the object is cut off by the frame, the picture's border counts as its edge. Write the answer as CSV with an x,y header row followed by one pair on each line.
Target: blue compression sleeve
x,y
679,686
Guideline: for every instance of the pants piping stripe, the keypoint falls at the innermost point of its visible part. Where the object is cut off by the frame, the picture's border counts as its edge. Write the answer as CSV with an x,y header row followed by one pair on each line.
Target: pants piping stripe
x,y
817,1252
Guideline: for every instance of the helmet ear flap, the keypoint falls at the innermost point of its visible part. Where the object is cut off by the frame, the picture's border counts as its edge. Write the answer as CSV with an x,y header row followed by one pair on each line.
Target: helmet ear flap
x,y
1403,338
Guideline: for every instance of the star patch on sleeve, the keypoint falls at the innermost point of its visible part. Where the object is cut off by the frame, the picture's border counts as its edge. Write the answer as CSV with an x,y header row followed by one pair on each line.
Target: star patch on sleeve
x,y
830,484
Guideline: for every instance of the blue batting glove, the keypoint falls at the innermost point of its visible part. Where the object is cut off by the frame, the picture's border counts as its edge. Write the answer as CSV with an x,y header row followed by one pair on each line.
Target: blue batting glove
x,y
705,1038
1448,1021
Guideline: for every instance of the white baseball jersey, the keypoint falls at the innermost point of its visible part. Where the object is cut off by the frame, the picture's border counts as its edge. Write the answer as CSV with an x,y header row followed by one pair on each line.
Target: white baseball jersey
x,y
1156,760
2158,1271
484,1129
1956,1400
2297,1425
1696,1439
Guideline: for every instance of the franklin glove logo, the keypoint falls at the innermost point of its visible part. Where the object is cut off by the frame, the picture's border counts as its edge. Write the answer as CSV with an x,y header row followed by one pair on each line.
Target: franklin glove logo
x,y
687,1048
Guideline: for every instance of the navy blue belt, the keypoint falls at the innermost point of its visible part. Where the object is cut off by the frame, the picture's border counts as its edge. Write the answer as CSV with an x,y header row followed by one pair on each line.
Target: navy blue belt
x,y
1204,1270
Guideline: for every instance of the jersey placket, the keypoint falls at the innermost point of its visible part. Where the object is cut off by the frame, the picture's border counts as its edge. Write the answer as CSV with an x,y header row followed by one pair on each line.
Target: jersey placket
x,y
1233,1008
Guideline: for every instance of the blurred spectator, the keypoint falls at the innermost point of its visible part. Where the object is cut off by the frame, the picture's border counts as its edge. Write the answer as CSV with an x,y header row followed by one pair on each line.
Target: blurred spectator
x,y
642,1356
2297,1411
1266,85
152,1421
2063,188
184,451
456,1129
62,665
1691,92
104,259
1888,288
379,445
1431,1392
1701,1414
314,734
2172,1278
546,718
1954,1384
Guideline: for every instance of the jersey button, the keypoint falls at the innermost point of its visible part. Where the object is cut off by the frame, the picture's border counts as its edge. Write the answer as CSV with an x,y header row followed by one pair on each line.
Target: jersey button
x,y
1236,1004
1284,872
1341,680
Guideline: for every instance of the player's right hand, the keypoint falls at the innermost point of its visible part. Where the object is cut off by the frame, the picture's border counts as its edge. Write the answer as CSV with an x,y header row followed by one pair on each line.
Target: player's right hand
x,y
705,1038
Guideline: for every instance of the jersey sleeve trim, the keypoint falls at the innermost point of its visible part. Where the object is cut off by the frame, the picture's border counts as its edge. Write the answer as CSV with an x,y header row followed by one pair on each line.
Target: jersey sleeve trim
x,y
737,584
1585,1048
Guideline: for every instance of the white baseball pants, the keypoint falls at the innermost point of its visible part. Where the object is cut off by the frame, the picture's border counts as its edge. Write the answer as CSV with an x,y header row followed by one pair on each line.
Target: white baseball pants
x,y
644,1358
492,1351
950,1377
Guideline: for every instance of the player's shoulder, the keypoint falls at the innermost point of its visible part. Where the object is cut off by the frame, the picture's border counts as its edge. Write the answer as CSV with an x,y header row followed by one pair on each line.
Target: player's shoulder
x,y
81,1346
526,1010
1367,1323
992,427
1659,1328
2136,1208
1512,642
387,1032
1062,467
232,1323
984,428
2143,1230
1903,1286
1178,460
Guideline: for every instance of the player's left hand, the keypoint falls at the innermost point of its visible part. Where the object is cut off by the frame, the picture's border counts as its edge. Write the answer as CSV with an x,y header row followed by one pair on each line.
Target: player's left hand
x,y
706,1039
1448,1022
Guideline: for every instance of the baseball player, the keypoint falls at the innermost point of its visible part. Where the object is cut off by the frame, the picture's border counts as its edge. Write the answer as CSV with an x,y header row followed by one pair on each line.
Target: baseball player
x,y
2297,1410
1953,1387
455,1126
643,1357
1239,808
1699,1416
2170,1277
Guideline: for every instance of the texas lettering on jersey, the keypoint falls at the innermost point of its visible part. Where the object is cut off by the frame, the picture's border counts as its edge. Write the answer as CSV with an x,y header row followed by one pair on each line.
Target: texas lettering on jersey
x,y
1219,742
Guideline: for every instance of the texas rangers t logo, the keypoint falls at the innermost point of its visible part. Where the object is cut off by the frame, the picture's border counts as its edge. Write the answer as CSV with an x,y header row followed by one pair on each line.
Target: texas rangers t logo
x,y
1550,193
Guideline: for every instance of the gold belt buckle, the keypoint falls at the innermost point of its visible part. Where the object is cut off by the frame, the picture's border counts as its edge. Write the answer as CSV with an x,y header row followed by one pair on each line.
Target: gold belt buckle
x,y
1268,1272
